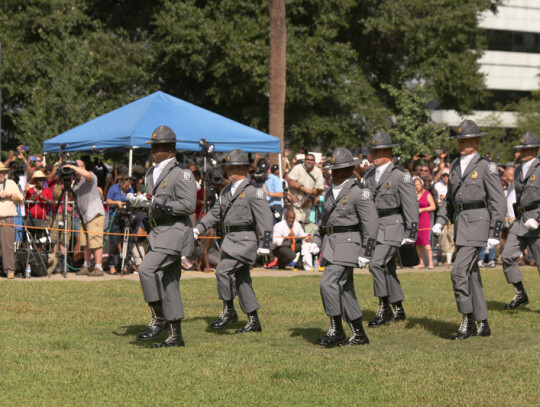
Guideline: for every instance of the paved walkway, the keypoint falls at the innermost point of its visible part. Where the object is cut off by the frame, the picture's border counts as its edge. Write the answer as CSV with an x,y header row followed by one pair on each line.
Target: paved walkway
x,y
256,272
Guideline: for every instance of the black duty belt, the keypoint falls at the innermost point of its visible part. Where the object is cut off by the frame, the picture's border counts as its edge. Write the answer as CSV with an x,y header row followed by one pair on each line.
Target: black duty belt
x,y
387,212
230,229
460,207
162,220
520,210
329,229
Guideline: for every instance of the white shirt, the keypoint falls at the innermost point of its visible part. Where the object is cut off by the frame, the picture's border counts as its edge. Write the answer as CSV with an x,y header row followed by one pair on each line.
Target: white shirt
x,y
158,168
441,189
281,230
525,168
235,185
510,200
379,171
464,160
336,189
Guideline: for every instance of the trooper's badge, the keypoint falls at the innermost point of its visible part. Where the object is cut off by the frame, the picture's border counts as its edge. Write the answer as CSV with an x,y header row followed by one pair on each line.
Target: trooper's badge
x,y
260,193
533,177
388,185
242,194
366,194
165,184
345,200
407,177
474,175
492,168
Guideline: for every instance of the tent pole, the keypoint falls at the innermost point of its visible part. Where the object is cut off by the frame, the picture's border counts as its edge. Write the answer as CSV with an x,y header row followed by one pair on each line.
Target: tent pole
x,y
281,177
130,160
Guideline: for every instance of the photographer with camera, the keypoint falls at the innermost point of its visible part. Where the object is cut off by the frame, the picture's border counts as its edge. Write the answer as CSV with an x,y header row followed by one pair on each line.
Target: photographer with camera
x,y
88,200
10,196
119,218
306,185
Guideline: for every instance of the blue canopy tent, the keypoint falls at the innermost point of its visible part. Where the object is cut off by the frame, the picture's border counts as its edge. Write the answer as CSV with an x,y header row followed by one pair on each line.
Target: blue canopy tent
x,y
130,126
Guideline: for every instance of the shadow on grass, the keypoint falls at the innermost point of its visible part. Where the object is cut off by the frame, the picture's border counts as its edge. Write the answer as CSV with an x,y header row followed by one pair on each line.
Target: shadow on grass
x,y
309,334
438,328
134,330
229,330
499,306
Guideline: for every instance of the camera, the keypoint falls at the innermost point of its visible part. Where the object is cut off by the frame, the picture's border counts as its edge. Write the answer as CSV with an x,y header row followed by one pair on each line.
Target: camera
x,y
66,173
260,171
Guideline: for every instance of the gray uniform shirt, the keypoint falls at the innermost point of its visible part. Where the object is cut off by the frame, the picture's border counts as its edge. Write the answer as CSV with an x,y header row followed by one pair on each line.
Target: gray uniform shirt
x,y
527,194
479,183
353,206
247,207
175,198
394,190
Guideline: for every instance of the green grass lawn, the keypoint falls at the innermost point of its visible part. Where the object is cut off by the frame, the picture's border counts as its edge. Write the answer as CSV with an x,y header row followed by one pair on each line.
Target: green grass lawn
x,y
73,343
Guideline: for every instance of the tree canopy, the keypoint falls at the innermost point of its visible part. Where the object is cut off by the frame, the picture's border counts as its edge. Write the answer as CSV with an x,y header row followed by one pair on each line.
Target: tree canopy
x,y
353,66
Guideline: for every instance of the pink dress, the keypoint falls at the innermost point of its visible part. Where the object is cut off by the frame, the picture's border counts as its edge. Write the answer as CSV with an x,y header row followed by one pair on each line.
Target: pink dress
x,y
424,222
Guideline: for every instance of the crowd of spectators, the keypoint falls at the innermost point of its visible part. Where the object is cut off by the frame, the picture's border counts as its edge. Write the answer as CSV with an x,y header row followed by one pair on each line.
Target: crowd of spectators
x,y
295,191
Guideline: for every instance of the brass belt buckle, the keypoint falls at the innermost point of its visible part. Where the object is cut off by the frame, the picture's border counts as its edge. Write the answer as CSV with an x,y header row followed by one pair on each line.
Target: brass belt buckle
x,y
521,210
152,223
330,230
459,207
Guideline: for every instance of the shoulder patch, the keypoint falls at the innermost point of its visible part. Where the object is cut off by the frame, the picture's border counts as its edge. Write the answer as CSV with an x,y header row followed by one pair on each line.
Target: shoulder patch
x,y
407,177
366,194
492,168
260,193
187,175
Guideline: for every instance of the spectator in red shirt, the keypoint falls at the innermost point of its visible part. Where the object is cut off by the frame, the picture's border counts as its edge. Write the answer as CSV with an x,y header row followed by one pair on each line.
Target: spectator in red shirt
x,y
37,210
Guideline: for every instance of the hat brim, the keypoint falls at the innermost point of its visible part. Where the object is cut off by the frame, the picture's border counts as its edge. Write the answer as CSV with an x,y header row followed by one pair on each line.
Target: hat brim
x,y
4,169
520,147
483,133
229,164
162,142
385,146
352,163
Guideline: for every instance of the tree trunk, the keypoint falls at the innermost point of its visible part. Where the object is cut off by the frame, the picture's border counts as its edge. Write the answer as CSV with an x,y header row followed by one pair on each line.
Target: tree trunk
x,y
278,65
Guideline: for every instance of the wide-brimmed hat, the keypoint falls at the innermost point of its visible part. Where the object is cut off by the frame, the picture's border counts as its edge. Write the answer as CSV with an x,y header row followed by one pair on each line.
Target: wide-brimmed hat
x,y
3,168
382,140
468,129
163,135
341,158
529,140
237,157
38,175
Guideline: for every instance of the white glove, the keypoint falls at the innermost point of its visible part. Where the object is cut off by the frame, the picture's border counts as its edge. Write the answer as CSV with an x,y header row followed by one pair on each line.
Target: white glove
x,y
492,243
263,252
362,262
531,224
196,233
314,249
406,241
437,229
144,201
131,198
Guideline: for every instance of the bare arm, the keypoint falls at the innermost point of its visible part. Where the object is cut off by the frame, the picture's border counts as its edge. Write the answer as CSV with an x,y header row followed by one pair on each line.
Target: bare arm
x,y
431,206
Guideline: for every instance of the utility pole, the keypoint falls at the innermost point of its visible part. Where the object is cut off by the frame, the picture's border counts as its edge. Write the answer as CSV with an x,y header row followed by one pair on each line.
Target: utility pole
x,y
0,100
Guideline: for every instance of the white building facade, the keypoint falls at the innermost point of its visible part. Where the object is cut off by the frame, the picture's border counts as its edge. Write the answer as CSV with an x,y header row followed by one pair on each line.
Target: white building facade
x,y
511,63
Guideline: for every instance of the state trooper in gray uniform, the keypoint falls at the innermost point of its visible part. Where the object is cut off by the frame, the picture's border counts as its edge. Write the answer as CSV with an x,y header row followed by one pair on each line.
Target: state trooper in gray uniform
x,y
346,239
397,207
171,198
242,209
476,203
524,230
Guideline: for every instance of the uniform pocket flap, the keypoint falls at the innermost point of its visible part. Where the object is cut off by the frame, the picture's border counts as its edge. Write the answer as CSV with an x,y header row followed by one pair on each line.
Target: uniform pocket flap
x,y
478,216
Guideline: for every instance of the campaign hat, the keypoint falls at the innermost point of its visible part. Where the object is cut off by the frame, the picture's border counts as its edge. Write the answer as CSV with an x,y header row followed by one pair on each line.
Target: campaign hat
x,y
341,158
163,135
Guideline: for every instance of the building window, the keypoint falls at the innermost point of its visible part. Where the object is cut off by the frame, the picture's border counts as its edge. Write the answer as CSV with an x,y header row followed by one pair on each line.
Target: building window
x,y
513,41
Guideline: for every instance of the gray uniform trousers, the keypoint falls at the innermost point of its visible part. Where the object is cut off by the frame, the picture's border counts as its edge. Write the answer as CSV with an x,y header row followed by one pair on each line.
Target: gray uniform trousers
x,y
233,277
467,283
159,274
383,270
337,292
512,250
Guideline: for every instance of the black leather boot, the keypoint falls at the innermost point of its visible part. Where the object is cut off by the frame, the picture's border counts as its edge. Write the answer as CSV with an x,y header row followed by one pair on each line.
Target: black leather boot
x,y
383,316
519,299
359,336
466,329
228,316
175,336
483,328
157,324
335,335
253,325
399,312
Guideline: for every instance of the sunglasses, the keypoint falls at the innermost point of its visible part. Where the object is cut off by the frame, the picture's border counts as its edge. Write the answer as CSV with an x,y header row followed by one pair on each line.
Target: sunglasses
x,y
310,159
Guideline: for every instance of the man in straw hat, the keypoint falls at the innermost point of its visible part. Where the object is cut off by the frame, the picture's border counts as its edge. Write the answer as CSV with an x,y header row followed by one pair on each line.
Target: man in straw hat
x,y
346,239
171,199
42,198
242,209
10,196
397,207
474,187
524,230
